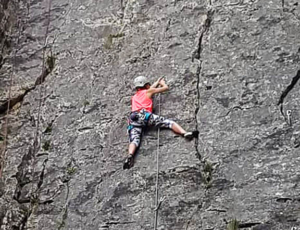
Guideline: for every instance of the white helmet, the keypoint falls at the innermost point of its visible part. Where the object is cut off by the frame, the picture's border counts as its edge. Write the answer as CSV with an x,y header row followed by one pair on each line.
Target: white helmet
x,y
140,81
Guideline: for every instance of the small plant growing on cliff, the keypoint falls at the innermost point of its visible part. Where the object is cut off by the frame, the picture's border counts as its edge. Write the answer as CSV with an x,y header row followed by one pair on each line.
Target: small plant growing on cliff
x,y
110,38
46,145
86,103
71,170
34,200
233,225
48,129
64,217
50,62
208,167
207,174
118,35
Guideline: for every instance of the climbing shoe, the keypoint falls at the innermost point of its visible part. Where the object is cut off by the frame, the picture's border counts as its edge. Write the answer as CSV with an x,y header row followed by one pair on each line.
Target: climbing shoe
x,y
191,135
128,162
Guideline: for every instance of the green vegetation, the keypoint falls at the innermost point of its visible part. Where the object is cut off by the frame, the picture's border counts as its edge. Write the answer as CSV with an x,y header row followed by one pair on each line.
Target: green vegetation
x,y
86,103
62,224
34,200
233,225
48,129
50,62
71,170
109,41
208,167
207,174
46,145
118,35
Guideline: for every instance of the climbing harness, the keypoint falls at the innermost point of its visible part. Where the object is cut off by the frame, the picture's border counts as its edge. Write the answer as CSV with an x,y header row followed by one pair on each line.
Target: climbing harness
x,y
138,119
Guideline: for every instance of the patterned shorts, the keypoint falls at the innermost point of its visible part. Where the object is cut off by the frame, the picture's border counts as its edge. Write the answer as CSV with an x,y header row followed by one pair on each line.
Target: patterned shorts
x,y
135,133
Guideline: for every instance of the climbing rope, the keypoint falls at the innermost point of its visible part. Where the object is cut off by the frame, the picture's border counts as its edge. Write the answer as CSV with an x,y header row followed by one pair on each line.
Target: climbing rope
x,y
35,143
5,136
9,95
157,202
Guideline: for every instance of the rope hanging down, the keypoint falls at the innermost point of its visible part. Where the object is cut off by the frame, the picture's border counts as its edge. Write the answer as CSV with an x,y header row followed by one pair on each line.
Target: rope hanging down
x,y
6,123
157,203
40,93
4,148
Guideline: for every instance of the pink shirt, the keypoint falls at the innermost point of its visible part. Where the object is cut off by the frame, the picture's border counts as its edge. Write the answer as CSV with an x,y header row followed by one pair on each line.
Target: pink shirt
x,y
140,101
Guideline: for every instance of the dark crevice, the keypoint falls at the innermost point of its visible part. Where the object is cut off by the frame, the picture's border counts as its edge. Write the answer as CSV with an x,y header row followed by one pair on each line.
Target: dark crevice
x,y
46,202
286,199
204,29
248,225
119,222
65,209
289,88
41,179
216,210
283,200
13,101
10,103
206,172
64,218
23,223
181,169
197,110
34,197
23,177
197,55
122,8
237,108
2,60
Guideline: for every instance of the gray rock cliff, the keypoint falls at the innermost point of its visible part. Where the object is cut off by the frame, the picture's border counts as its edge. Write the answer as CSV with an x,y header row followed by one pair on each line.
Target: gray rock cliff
x,y
66,71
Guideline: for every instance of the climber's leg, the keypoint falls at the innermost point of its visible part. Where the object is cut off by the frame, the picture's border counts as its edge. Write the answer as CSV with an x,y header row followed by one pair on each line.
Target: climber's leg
x,y
132,148
135,134
161,122
178,129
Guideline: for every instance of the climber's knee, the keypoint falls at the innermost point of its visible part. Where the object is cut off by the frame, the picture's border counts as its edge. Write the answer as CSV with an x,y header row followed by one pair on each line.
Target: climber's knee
x,y
135,134
160,121
167,123
136,142
171,124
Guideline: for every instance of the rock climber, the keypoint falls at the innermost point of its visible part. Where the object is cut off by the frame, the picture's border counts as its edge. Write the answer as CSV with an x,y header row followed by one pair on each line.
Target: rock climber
x,y
141,116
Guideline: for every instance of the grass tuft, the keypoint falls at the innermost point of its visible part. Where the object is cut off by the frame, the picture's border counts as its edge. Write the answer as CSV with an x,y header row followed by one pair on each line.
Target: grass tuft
x,y
109,40
46,145
71,170
50,62
233,225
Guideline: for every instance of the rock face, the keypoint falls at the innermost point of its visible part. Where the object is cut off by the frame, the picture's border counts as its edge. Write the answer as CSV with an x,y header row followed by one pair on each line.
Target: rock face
x,y
233,71
7,20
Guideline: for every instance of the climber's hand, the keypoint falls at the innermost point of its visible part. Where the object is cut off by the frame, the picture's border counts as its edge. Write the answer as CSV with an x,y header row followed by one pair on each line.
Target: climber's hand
x,y
159,79
162,81
154,90
156,83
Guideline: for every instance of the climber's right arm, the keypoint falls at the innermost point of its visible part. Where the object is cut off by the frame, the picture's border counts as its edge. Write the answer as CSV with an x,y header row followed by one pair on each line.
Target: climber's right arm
x,y
164,87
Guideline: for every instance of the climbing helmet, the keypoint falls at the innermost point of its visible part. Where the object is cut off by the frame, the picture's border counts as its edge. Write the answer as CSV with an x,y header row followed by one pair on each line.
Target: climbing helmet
x,y
140,81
